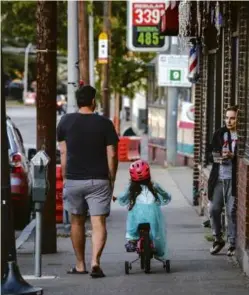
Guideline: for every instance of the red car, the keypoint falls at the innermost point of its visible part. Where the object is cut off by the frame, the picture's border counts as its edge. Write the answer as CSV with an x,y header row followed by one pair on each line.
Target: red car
x,y
20,177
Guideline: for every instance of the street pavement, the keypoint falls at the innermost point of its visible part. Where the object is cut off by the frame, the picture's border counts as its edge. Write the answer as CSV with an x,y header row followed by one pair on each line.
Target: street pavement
x,y
194,270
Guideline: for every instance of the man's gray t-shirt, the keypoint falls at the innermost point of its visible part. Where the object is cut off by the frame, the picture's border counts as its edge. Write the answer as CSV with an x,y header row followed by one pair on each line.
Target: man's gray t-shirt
x,y
225,171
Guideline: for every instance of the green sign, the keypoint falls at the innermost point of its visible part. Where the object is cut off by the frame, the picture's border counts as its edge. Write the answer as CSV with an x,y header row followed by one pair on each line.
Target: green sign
x,y
147,36
175,75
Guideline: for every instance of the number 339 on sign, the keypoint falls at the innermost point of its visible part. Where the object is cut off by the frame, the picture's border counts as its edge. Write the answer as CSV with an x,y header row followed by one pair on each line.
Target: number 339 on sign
x,y
147,17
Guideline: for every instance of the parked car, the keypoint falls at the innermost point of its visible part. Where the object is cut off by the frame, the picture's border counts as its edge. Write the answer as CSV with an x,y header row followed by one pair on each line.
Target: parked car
x,y
15,89
30,98
20,177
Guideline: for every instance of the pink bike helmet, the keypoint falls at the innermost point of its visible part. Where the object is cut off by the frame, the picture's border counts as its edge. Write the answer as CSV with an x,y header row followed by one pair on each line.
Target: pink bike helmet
x,y
139,170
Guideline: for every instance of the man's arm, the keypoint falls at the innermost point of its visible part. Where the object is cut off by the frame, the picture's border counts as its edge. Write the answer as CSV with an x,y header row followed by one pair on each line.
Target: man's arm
x,y
63,152
112,158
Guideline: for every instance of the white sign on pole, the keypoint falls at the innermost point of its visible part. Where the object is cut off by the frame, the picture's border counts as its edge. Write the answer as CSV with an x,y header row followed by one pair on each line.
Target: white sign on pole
x,y
173,70
103,49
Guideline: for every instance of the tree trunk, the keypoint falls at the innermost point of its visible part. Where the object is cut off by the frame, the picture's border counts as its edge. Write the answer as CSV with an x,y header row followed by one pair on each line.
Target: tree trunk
x,y
83,42
46,110
117,112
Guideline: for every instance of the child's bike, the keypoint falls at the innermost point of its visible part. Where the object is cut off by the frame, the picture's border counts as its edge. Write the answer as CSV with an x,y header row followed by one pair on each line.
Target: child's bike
x,y
146,251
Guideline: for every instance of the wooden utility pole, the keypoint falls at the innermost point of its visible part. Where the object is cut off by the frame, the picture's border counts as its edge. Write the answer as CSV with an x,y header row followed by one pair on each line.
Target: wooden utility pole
x,y
46,110
105,67
83,41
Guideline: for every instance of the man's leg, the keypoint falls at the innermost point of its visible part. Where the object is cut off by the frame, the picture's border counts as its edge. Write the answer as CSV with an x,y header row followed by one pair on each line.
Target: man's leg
x,y
216,206
74,203
78,240
98,198
99,236
231,217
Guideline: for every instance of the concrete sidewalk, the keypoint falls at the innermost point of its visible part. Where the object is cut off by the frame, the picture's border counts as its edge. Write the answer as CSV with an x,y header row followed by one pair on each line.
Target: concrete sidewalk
x,y
194,270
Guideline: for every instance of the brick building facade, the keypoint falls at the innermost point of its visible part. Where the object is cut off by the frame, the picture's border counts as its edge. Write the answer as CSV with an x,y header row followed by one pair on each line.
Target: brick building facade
x,y
221,29
224,81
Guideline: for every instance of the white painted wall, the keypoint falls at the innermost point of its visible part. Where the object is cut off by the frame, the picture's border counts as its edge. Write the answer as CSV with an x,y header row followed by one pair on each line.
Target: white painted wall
x,y
139,102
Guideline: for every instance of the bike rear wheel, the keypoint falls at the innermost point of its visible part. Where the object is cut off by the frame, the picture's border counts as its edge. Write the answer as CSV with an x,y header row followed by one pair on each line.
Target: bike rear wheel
x,y
147,253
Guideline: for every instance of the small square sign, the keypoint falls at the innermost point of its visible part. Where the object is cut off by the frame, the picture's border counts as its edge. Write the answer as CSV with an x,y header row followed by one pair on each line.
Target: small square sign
x,y
175,75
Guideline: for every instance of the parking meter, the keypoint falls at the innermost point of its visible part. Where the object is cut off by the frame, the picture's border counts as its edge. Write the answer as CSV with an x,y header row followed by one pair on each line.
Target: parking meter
x,y
39,192
39,176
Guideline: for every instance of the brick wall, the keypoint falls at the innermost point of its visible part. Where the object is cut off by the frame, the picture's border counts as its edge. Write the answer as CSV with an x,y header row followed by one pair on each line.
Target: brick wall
x,y
243,122
243,215
204,115
243,204
203,172
247,107
227,94
242,76
204,82
197,136
247,104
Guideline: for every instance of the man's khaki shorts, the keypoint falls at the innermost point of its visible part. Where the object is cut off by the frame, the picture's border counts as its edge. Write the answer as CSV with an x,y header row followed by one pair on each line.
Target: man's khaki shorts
x,y
95,194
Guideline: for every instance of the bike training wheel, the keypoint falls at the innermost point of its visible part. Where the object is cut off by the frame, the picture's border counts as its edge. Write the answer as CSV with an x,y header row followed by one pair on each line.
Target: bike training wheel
x,y
167,266
127,267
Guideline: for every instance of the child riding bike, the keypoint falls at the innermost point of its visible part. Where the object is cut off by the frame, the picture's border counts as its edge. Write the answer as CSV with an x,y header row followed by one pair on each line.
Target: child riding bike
x,y
144,198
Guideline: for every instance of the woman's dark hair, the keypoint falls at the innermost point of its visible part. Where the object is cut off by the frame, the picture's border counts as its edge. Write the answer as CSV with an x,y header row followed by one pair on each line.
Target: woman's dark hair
x,y
136,189
85,95
234,108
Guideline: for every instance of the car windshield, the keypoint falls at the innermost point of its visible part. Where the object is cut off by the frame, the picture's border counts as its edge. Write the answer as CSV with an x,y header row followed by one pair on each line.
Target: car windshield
x,y
11,142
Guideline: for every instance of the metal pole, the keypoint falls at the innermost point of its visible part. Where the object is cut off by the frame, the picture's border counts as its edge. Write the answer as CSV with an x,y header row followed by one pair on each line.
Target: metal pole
x,y
72,54
105,67
38,240
172,106
83,41
26,70
91,48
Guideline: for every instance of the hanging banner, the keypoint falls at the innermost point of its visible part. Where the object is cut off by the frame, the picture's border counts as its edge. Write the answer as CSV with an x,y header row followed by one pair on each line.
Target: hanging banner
x,y
169,24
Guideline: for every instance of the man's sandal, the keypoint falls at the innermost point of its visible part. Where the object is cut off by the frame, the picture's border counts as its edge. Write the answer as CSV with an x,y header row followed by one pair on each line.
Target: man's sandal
x,y
74,271
97,272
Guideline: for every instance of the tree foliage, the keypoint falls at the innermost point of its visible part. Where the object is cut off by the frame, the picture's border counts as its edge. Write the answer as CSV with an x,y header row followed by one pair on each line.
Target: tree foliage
x,y
127,69
19,23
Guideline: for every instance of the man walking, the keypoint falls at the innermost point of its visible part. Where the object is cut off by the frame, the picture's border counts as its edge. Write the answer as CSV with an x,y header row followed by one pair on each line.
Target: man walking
x,y
88,146
222,182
